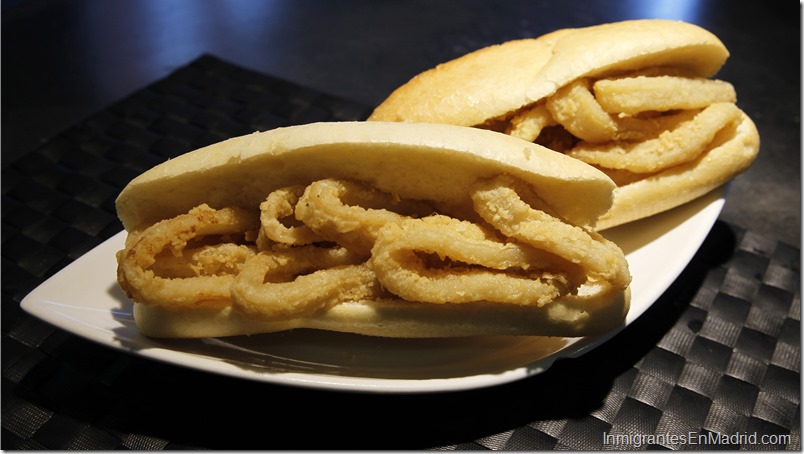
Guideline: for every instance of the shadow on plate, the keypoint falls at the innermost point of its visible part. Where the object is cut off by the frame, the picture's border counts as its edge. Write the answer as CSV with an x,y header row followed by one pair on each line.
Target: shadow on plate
x,y
319,353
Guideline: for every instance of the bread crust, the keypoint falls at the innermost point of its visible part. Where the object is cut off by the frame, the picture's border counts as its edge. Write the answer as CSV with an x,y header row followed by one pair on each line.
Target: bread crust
x,y
496,80
423,161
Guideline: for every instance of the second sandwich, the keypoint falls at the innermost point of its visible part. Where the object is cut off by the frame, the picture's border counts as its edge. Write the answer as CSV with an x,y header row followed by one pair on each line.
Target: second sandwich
x,y
634,99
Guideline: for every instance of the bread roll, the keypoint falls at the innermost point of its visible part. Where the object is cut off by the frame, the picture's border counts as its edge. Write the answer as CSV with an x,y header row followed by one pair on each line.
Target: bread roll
x,y
497,86
426,163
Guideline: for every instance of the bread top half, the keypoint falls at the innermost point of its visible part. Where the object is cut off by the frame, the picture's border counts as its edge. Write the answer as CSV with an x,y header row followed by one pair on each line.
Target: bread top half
x,y
480,86
418,161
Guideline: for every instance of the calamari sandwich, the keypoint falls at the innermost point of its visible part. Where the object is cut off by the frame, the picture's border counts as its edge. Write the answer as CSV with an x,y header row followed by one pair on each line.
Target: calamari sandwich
x,y
383,229
635,99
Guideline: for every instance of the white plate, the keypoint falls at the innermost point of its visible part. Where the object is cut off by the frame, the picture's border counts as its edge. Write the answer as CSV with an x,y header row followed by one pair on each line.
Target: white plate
x,y
85,300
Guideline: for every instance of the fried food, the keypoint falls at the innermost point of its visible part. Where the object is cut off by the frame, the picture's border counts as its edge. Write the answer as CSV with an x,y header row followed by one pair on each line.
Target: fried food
x,y
500,203
362,240
577,110
281,205
354,225
296,282
172,235
529,124
668,149
531,258
446,261
634,95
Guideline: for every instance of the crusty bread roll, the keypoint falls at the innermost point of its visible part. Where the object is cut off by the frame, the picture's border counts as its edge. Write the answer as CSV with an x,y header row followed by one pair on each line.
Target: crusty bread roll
x,y
418,162
431,163
495,86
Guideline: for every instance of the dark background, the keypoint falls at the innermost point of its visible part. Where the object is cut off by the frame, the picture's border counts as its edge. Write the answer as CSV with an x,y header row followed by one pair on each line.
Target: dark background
x,y
63,60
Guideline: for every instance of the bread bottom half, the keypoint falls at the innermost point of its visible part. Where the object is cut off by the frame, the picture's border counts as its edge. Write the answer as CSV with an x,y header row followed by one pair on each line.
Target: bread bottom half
x,y
594,312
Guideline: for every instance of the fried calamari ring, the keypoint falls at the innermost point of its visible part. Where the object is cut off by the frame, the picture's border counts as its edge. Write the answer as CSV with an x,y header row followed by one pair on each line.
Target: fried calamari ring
x,y
436,259
500,202
351,214
588,114
281,204
576,109
295,282
677,146
649,125
143,285
530,123
440,260
213,259
632,95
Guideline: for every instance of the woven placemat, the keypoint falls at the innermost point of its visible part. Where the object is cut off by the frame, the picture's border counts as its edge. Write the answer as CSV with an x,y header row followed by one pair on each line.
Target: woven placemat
x,y
714,363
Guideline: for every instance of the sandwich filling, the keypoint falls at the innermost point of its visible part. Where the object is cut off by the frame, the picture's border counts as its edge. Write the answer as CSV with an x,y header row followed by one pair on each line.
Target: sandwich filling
x,y
309,247
633,125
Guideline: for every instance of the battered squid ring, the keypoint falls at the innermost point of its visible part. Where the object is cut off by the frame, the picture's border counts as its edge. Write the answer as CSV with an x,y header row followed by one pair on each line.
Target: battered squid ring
x,y
529,124
677,146
650,125
322,207
296,282
499,202
639,93
482,268
143,285
575,107
211,259
580,111
279,204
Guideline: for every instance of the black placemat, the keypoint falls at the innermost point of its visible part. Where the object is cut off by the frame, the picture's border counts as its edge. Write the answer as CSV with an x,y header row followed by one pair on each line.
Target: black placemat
x,y
714,363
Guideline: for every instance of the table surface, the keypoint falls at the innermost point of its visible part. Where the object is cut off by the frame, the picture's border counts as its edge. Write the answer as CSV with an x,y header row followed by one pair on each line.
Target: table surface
x,y
78,70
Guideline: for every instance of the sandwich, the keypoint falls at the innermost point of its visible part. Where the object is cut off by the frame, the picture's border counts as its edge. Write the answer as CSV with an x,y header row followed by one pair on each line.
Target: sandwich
x,y
389,229
635,99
